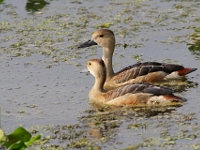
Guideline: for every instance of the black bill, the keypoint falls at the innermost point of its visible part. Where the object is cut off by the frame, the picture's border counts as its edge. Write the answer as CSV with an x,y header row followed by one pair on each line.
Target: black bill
x,y
87,44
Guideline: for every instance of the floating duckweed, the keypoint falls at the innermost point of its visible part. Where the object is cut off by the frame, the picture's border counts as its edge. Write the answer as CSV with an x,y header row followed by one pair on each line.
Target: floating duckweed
x,y
56,36
138,57
127,10
59,40
104,25
126,20
178,6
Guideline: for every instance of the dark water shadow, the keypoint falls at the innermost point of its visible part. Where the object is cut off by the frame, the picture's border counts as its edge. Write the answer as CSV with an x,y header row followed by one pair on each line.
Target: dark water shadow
x,y
1,1
35,5
195,48
194,43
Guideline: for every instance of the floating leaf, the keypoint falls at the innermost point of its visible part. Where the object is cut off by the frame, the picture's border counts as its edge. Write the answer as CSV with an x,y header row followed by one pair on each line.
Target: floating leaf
x,y
19,135
37,137
16,146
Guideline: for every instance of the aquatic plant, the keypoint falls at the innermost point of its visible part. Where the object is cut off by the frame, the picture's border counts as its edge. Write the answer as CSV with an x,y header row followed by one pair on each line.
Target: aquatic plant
x,y
19,139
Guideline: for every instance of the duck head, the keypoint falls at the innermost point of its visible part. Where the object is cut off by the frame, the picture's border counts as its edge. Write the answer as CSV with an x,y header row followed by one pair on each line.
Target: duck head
x,y
102,37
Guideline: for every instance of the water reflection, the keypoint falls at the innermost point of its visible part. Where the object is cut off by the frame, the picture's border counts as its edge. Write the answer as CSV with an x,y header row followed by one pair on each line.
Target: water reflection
x,y
35,5
178,85
101,125
105,121
134,111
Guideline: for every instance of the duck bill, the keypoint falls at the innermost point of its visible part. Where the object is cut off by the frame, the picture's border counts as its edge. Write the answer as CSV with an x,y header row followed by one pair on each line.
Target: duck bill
x,y
87,44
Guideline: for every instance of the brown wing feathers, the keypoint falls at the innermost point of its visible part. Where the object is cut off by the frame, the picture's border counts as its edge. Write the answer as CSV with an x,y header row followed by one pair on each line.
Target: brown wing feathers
x,y
147,64
138,88
135,72
141,69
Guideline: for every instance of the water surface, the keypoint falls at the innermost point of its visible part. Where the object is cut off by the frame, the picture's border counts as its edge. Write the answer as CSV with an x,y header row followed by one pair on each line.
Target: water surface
x,y
42,87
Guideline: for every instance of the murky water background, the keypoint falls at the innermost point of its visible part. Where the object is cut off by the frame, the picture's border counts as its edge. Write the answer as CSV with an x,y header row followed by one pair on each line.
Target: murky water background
x,y
41,83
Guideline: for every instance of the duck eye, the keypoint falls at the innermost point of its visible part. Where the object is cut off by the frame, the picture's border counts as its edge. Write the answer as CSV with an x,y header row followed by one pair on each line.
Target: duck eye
x,y
101,35
89,63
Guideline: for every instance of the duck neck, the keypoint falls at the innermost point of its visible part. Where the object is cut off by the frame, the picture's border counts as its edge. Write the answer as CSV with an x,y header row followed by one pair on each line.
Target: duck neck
x,y
107,58
98,85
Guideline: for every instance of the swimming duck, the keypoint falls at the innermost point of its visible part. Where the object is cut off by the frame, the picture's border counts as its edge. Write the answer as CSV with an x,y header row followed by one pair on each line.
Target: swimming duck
x,y
147,72
129,94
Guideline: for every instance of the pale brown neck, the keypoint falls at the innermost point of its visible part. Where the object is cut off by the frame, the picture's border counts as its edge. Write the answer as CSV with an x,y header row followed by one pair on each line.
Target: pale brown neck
x,y
107,58
99,83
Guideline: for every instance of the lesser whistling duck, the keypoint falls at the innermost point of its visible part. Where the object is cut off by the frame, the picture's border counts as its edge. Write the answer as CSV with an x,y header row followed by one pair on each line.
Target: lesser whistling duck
x,y
129,94
147,72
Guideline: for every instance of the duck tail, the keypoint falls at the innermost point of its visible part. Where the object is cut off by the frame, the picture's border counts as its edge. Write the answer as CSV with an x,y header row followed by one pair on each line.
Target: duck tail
x,y
174,98
185,71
